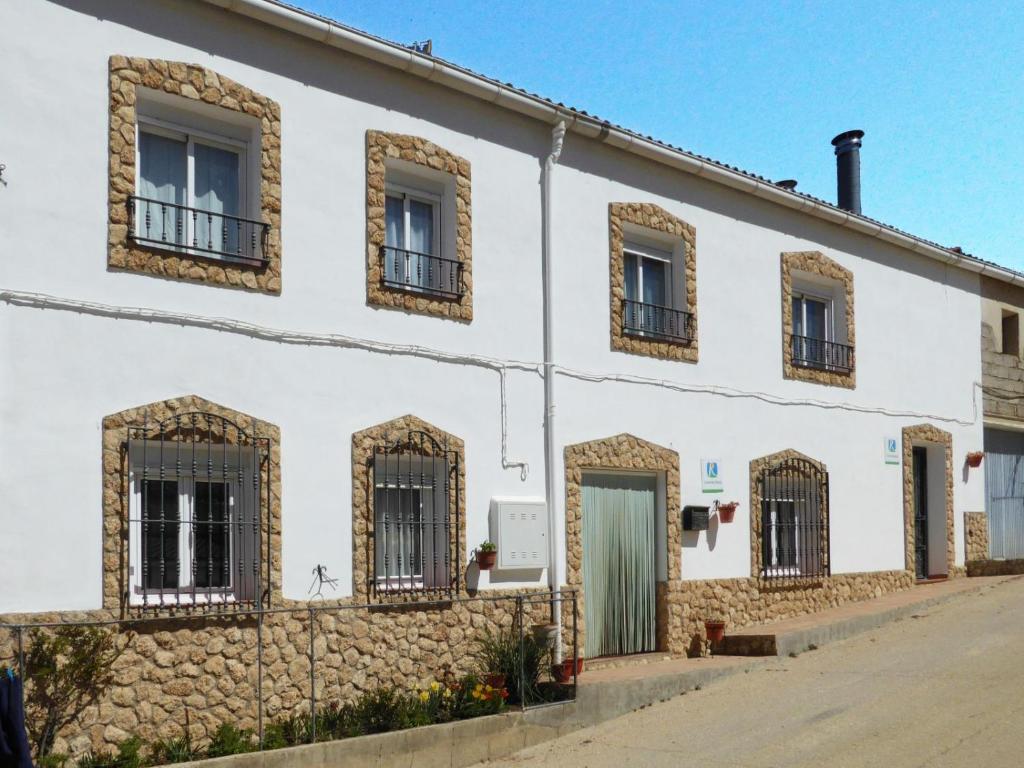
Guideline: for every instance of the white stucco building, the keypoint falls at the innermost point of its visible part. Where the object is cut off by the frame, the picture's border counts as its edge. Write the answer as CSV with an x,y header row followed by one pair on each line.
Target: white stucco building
x,y
386,235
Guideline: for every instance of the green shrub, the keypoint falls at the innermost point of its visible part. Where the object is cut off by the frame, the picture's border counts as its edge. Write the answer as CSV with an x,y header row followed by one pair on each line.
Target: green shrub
x,y
385,709
67,670
504,652
176,750
230,740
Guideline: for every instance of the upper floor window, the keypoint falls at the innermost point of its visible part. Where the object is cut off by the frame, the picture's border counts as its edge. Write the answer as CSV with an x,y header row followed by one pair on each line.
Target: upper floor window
x,y
193,190
412,243
1011,333
419,227
818,333
654,299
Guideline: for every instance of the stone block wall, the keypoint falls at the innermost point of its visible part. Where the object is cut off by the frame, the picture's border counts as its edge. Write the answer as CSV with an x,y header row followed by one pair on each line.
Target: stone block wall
x,y
205,671
1002,377
976,536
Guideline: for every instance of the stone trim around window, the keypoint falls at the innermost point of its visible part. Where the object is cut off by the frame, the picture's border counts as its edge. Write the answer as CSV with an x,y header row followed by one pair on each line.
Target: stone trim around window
x,y
657,219
628,453
364,443
196,83
757,469
381,147
815,263
116,494
926,433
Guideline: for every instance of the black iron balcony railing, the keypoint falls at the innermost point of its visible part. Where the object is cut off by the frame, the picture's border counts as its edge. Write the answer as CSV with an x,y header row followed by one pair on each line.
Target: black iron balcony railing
x,y
656,322
421,272
196,231
821,354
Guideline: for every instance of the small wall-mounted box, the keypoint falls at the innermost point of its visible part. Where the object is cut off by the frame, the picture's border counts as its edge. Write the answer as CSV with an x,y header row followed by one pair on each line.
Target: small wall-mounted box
x,y
696,518
519,530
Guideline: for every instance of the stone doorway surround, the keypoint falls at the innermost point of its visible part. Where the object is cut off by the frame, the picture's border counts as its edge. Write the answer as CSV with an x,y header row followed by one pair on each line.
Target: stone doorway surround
x,y
628,453
924,434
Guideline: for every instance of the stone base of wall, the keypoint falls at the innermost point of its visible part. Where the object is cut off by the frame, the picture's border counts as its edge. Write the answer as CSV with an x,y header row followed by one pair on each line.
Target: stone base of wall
x,y
207,669
742,602
995,567
976,536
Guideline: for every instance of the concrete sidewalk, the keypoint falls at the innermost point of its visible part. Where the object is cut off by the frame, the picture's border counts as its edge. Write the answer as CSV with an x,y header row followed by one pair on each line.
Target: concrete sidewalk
x,y
614,690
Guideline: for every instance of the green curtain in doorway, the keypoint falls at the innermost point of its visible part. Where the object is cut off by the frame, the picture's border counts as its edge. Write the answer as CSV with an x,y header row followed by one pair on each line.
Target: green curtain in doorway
x,y
618,564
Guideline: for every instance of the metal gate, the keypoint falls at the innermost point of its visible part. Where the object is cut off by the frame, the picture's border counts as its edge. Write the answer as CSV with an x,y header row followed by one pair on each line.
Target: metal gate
x,y
794,520
1004,487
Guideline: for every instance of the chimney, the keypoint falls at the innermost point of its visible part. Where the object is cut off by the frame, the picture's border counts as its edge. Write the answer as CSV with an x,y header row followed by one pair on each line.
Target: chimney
x,y
848,169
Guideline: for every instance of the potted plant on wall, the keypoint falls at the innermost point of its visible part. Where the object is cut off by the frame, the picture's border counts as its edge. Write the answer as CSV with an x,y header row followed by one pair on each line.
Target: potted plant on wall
x,y
726,511
715,629
486,555
974,459
563,671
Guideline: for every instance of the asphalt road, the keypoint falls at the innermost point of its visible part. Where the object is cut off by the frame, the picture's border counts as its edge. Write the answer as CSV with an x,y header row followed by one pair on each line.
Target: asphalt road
x,y
945,688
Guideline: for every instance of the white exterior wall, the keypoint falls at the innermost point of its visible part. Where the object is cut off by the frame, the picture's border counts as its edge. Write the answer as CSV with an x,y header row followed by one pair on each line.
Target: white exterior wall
x,y
917,347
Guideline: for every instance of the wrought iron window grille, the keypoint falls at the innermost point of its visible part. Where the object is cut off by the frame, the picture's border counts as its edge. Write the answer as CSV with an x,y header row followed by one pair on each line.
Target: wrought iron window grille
x,y
197,232
198,488
417,518
653,321
794,521
424,273
820,354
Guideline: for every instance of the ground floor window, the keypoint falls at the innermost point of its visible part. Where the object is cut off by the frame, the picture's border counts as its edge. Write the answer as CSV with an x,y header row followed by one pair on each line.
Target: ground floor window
x,y
415,515
194,524
794,519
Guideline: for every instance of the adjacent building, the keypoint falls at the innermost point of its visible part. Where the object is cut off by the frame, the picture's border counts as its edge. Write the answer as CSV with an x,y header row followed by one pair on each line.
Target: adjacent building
x,y
279,295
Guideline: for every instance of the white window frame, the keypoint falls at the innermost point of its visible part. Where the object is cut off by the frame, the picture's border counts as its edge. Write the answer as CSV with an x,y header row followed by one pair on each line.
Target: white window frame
x,y
428,198
773,569
190,135
240,498
638,252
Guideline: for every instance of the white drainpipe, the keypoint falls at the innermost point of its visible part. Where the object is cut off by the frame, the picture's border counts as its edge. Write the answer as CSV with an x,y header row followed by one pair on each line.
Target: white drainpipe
x,y
557,137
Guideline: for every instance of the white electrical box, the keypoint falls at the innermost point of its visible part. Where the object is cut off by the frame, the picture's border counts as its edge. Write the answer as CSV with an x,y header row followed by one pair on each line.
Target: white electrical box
x,y
519,529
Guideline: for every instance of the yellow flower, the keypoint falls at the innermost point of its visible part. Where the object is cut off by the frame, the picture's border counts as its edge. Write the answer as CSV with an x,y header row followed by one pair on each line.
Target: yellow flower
x,y
447,694
476,694
424,696
435,686
479,687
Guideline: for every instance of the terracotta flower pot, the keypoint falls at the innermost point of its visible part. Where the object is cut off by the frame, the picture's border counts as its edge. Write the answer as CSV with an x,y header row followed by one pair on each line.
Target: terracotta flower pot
x,y
974,459
486,560
715,630
495,680
726,512
563,672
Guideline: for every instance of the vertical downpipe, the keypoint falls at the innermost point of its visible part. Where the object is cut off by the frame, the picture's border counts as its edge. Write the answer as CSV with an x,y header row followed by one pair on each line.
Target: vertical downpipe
x,y
557,139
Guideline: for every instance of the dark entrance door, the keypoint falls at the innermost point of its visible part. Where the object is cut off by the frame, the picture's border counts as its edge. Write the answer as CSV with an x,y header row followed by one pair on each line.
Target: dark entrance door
x,y
920,463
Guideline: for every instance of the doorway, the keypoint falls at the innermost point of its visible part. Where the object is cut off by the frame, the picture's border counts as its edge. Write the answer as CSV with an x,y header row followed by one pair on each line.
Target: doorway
x,y
920,468
619,563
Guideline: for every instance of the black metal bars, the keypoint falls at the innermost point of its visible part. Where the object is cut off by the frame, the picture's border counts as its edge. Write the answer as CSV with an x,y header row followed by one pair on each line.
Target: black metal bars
x,y
196,231
794,520
417,509
823,355
421,272
656,322
196,485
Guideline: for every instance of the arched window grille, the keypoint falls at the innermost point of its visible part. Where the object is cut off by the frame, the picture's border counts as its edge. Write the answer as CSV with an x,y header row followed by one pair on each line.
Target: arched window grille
x,y
198,490
794,520
417,516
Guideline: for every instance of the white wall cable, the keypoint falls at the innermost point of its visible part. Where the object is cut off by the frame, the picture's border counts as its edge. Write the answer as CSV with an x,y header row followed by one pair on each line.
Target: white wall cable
x,y
142,314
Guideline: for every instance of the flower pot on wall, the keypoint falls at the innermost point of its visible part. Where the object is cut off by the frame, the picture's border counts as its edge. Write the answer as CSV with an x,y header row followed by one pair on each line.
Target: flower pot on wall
x,y
486,560
727,511
715,630
974,459
563,672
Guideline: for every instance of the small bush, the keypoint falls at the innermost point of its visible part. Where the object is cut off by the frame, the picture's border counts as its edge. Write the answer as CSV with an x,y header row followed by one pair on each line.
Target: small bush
x,y
176,750
229,740
508,654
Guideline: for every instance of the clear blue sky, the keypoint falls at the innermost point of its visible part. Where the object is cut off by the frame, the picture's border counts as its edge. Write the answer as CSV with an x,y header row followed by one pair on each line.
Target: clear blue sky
x,y
938,88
